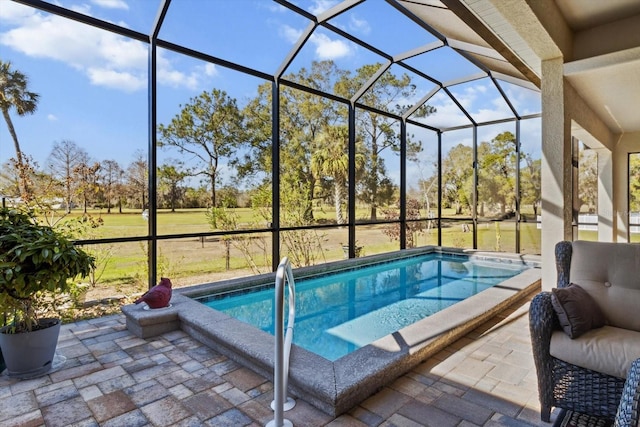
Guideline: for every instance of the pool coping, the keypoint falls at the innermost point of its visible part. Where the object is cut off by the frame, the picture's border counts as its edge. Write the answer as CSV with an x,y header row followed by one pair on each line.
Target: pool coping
x,y
335,387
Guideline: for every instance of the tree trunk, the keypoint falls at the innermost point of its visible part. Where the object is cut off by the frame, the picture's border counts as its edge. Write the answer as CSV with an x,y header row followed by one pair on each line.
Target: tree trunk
x,y
213,173
25,192
308,212
374,174
338,197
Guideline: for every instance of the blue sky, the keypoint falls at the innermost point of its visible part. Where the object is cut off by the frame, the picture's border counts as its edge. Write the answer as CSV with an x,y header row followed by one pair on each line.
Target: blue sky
x,y
93,84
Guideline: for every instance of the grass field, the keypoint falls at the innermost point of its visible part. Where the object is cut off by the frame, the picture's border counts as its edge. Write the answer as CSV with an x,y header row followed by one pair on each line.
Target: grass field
x,y
122,267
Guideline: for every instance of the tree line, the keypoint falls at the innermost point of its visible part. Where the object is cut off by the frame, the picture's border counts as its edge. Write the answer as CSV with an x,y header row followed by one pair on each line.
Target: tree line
x,y
222,148
498,163
211,130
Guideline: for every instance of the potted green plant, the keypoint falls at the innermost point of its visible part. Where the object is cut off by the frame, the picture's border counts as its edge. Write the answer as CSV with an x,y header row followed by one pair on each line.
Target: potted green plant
x,y
36,263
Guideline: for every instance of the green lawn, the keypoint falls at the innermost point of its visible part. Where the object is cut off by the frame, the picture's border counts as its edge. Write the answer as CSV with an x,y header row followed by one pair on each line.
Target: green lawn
x,y
193,260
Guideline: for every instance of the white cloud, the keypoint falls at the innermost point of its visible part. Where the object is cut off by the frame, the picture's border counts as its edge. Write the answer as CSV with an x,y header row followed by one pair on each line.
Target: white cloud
x,y
290,34
111,78
487,115
325,47
12,13
474,99
84,9
210,70
320,6
359,25
105,58
177,79
52,117
496,109
524,101
329,49
448,114
98,54
111,4
500,104
468,95
194,80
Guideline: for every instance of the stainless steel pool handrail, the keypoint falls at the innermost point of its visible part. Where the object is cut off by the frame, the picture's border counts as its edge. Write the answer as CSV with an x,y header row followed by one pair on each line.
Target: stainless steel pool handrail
x,y
283,341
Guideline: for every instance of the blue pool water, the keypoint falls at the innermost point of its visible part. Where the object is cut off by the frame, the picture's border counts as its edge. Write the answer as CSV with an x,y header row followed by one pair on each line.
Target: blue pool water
x,y
340,312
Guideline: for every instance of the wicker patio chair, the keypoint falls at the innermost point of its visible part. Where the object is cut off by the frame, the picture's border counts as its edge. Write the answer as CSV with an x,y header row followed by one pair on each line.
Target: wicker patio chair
x,y
629,408
561,384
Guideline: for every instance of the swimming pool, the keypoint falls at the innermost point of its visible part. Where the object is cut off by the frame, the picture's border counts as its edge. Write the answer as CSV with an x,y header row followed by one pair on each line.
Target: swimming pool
x,y
337,386
338,313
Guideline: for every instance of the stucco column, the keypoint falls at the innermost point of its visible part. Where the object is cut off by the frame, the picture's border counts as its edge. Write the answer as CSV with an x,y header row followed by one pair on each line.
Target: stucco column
x,y
606,212
556,167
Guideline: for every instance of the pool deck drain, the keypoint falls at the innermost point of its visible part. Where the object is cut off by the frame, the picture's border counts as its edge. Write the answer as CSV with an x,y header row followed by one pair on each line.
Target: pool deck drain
x,y
333,387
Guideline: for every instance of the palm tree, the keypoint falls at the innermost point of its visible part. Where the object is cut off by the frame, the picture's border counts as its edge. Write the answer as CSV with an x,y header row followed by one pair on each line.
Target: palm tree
x,y
331,161
14,93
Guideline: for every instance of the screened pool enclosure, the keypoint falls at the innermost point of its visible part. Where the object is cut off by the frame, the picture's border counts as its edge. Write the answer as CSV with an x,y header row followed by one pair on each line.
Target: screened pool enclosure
x,y
215,137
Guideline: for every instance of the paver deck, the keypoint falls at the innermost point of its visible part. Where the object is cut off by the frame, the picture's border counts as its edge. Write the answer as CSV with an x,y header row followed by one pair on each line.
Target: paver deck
x,y
112,378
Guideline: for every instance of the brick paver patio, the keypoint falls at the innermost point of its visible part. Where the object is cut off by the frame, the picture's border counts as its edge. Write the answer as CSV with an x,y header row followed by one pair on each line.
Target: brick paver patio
x,y
112,378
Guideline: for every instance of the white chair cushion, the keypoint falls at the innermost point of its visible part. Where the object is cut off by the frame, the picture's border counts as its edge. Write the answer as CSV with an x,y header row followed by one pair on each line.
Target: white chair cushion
x,y
609,350
609,272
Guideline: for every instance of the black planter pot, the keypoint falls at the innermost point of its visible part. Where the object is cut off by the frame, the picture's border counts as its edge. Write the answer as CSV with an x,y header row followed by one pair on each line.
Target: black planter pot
x,y
30,354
